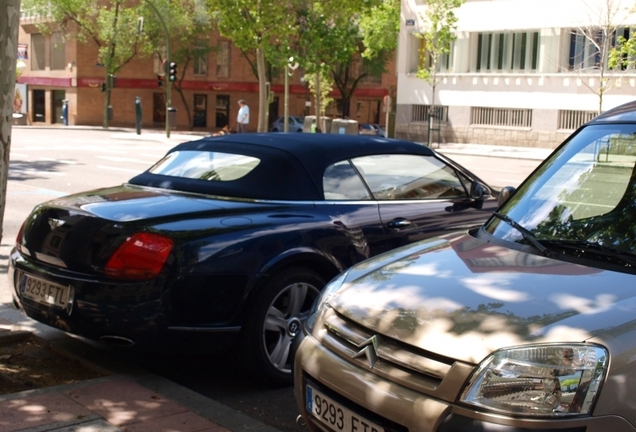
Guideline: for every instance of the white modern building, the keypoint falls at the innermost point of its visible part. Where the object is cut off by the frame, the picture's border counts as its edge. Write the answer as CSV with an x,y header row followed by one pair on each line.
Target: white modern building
x,y
521,72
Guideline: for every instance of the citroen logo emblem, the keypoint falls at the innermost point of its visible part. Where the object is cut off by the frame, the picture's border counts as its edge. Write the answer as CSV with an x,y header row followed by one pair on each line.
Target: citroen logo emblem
x,y
55,223
368,349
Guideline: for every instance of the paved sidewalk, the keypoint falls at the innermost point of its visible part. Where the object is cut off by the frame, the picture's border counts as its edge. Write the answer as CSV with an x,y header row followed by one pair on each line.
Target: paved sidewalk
x,y
534,153
129,399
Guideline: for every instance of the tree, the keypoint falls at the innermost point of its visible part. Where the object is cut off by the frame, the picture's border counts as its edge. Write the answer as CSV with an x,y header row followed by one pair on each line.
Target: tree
x,y
9,24
594,48
351,40
110,24
263,26
188,24
438,33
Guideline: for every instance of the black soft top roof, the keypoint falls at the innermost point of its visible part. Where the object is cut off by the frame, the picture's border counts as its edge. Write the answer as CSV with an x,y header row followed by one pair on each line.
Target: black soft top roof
x,y
621,113
292,164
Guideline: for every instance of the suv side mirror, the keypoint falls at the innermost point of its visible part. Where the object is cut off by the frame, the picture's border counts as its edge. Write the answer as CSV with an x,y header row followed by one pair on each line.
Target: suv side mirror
x,y
505,193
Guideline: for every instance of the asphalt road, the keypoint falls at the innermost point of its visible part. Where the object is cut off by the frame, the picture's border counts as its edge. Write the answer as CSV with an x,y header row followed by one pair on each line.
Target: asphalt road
x,y
51,162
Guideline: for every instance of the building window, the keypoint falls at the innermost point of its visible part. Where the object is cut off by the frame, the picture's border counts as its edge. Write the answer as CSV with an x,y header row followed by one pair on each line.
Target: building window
x,y
506,51
420,59
572,119
510,117
223,60
58,51
200,61
38,52
585,49
420,113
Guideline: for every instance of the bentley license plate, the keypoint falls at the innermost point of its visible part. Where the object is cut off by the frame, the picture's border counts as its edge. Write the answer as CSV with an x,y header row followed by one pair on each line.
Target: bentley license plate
x,y
44,292
335,416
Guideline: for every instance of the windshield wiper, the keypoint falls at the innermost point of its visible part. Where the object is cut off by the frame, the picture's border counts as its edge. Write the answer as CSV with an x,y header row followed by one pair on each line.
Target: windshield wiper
x,y
527,235
584,246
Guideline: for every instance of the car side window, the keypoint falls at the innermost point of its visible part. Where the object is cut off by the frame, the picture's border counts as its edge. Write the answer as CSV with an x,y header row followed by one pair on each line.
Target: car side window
x,y
342,182
409,177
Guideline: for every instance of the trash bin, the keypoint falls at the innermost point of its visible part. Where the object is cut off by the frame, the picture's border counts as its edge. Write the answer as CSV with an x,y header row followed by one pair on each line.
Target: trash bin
x,y
172,118
344,127
310,124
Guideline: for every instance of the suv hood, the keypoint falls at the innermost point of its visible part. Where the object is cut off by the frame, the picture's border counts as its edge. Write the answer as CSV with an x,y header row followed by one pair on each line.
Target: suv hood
x,y
464,298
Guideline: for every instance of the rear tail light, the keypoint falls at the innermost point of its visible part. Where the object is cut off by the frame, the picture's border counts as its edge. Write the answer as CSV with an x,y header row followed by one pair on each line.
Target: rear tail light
x,y
140,257
18,238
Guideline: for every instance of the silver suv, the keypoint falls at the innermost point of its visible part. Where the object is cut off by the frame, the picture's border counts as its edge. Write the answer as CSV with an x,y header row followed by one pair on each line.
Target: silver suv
x,y
527,323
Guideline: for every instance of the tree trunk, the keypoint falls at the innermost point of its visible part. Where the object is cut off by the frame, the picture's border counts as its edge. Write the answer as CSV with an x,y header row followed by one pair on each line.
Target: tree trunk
x,y
106,100
9,22
263,95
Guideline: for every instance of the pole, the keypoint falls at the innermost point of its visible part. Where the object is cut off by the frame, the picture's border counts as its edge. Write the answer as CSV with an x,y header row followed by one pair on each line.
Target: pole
x,y
168,83
286,114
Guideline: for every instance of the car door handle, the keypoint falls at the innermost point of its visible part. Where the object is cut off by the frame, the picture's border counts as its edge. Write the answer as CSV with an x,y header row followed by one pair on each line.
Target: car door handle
x,y
399,224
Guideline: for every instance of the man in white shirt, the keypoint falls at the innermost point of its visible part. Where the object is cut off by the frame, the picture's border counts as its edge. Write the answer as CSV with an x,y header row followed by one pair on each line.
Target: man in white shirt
x,y
243,117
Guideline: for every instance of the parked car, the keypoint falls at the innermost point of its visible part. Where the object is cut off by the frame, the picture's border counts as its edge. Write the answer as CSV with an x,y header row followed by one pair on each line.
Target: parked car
x,y
234,235
295,124
526,323
367,129
380,129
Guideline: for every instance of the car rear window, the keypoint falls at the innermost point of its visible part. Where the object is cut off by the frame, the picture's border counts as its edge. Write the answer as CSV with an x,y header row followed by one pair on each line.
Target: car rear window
x,y
205,165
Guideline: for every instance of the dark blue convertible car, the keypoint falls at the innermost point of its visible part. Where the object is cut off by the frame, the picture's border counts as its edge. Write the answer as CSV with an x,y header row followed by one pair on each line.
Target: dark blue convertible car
x,y
235,234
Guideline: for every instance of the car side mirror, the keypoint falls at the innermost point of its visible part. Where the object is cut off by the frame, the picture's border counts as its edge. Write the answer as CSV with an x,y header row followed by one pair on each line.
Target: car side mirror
x,y
478,191
505,193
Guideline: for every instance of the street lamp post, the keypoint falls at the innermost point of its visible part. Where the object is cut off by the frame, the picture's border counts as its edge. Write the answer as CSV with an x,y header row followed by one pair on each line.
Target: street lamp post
x,y
168,60
289,66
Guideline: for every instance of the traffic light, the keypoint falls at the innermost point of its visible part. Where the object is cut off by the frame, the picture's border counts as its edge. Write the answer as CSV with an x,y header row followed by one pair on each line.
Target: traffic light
x,y
172,72
113,81
159,81
103,87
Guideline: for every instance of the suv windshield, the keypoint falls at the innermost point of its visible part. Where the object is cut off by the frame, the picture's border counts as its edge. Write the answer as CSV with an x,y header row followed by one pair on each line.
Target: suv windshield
x,y
582,198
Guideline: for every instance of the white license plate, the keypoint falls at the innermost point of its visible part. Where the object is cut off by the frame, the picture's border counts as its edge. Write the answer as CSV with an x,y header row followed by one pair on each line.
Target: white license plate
x,y
335,416
44,292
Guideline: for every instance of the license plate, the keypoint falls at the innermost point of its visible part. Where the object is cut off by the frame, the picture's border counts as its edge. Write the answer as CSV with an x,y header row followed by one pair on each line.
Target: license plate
x,y
44,292
335,416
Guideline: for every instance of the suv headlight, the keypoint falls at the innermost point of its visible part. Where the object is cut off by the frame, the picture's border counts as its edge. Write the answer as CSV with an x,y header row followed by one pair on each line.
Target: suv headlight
x,y
540,380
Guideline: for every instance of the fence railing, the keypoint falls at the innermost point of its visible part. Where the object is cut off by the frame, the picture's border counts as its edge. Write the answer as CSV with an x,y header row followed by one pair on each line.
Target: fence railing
x,y
573,119
511,117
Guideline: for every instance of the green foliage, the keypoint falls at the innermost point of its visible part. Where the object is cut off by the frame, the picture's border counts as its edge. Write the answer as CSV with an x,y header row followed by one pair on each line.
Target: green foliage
x,y
111,25
325,86
438,34
334,36
379,28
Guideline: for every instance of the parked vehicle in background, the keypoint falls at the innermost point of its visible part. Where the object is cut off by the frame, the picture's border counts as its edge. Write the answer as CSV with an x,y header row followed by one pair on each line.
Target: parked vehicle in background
x,y
367,129
526,323
233,235
295,124
380,129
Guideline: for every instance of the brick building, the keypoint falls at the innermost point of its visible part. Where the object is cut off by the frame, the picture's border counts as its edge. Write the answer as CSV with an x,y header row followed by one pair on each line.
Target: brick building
x,y
55,71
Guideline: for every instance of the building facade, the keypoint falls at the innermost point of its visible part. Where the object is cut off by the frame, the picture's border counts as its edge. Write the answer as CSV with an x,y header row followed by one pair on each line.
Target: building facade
x,y
521,72
60,82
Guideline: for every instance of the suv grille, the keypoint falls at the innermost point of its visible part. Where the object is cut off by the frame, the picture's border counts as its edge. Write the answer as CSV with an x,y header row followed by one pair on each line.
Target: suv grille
x,y
403,364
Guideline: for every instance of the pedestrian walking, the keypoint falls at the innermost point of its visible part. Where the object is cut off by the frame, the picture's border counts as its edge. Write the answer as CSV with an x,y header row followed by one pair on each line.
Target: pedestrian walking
x,y
243,117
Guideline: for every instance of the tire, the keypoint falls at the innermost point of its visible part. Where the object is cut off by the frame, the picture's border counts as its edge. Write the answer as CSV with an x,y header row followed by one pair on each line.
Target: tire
x,y
274,319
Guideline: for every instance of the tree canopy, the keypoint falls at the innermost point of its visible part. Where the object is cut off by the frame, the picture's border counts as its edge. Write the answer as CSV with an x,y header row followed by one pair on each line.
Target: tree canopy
x,y
110,25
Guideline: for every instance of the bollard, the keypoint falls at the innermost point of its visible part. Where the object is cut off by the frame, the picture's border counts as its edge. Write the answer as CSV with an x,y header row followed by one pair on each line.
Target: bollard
x,y
138,114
